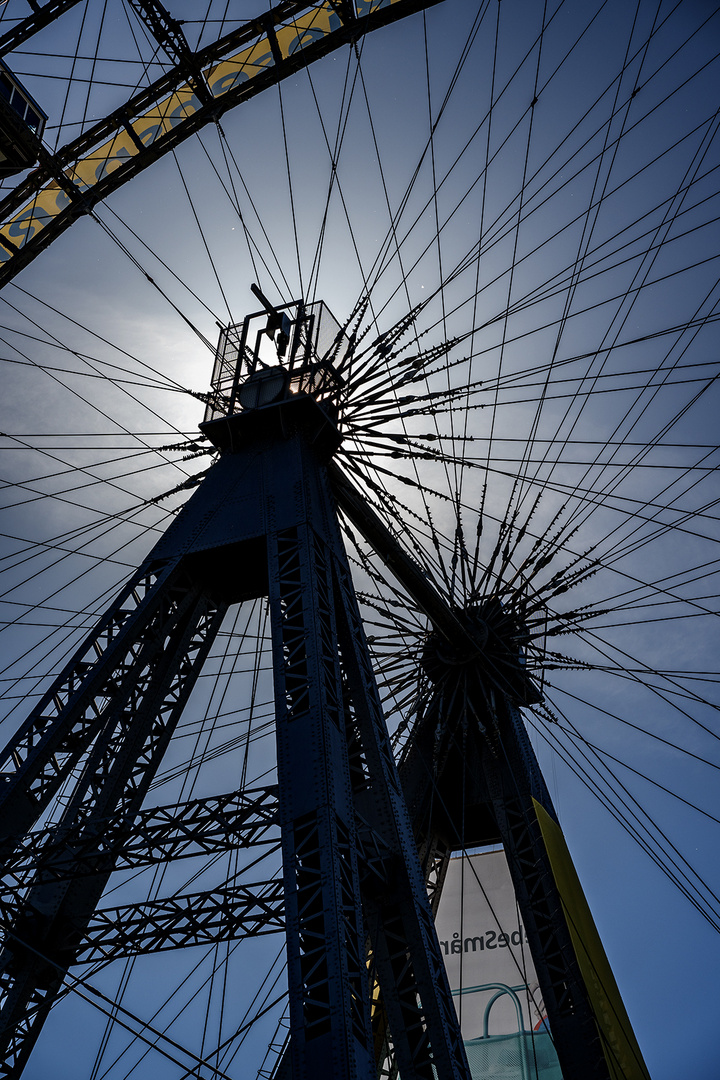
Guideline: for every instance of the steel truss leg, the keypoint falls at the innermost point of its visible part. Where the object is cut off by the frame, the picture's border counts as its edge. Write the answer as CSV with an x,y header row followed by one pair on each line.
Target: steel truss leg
x,y
263,523
327,706
73,711
474,741
329,1000
121,709
514,787
410,970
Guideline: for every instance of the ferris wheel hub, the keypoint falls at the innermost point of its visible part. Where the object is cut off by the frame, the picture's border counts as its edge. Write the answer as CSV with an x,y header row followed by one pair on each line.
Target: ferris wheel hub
x,y
493,655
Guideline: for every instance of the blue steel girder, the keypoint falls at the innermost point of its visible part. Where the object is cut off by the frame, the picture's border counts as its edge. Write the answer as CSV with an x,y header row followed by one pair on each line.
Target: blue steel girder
x,y
327,705
470,777
512,785
410,971
41,16
264,523
327,975
228,913
238,819
200,89
44,930
206,826
104,672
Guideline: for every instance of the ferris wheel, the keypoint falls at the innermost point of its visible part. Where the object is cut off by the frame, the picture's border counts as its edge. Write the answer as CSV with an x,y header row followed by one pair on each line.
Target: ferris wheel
x,y
482,244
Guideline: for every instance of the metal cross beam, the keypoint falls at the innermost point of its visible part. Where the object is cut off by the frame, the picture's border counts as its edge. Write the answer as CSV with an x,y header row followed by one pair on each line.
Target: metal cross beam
x,y
41,16
168,33
239,819
177,922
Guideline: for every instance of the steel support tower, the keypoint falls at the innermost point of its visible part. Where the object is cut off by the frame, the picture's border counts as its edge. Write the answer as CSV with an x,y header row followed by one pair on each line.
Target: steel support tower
x,y
363,858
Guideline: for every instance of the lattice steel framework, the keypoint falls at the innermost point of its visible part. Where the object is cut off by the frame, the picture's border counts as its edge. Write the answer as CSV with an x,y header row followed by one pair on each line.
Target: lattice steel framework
x,y
199,89
354,900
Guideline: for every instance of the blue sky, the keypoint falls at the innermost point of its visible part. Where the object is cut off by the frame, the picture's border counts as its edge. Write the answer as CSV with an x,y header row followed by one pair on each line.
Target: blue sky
x,y
589,350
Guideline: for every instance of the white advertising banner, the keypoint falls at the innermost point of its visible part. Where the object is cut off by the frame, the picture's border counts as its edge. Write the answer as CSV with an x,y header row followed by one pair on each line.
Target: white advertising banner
x,y
491,971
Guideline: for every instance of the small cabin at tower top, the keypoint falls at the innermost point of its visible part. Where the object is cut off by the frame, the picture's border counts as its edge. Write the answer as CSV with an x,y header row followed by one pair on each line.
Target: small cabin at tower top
x,y
277,354
22,123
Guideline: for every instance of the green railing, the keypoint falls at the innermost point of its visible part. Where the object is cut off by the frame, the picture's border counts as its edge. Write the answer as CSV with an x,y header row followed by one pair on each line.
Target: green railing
x,y
521,1055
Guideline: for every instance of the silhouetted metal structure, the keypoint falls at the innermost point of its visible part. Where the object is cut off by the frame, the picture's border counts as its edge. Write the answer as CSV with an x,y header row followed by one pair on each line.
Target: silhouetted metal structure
x,y
22,123
360,848
197,89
